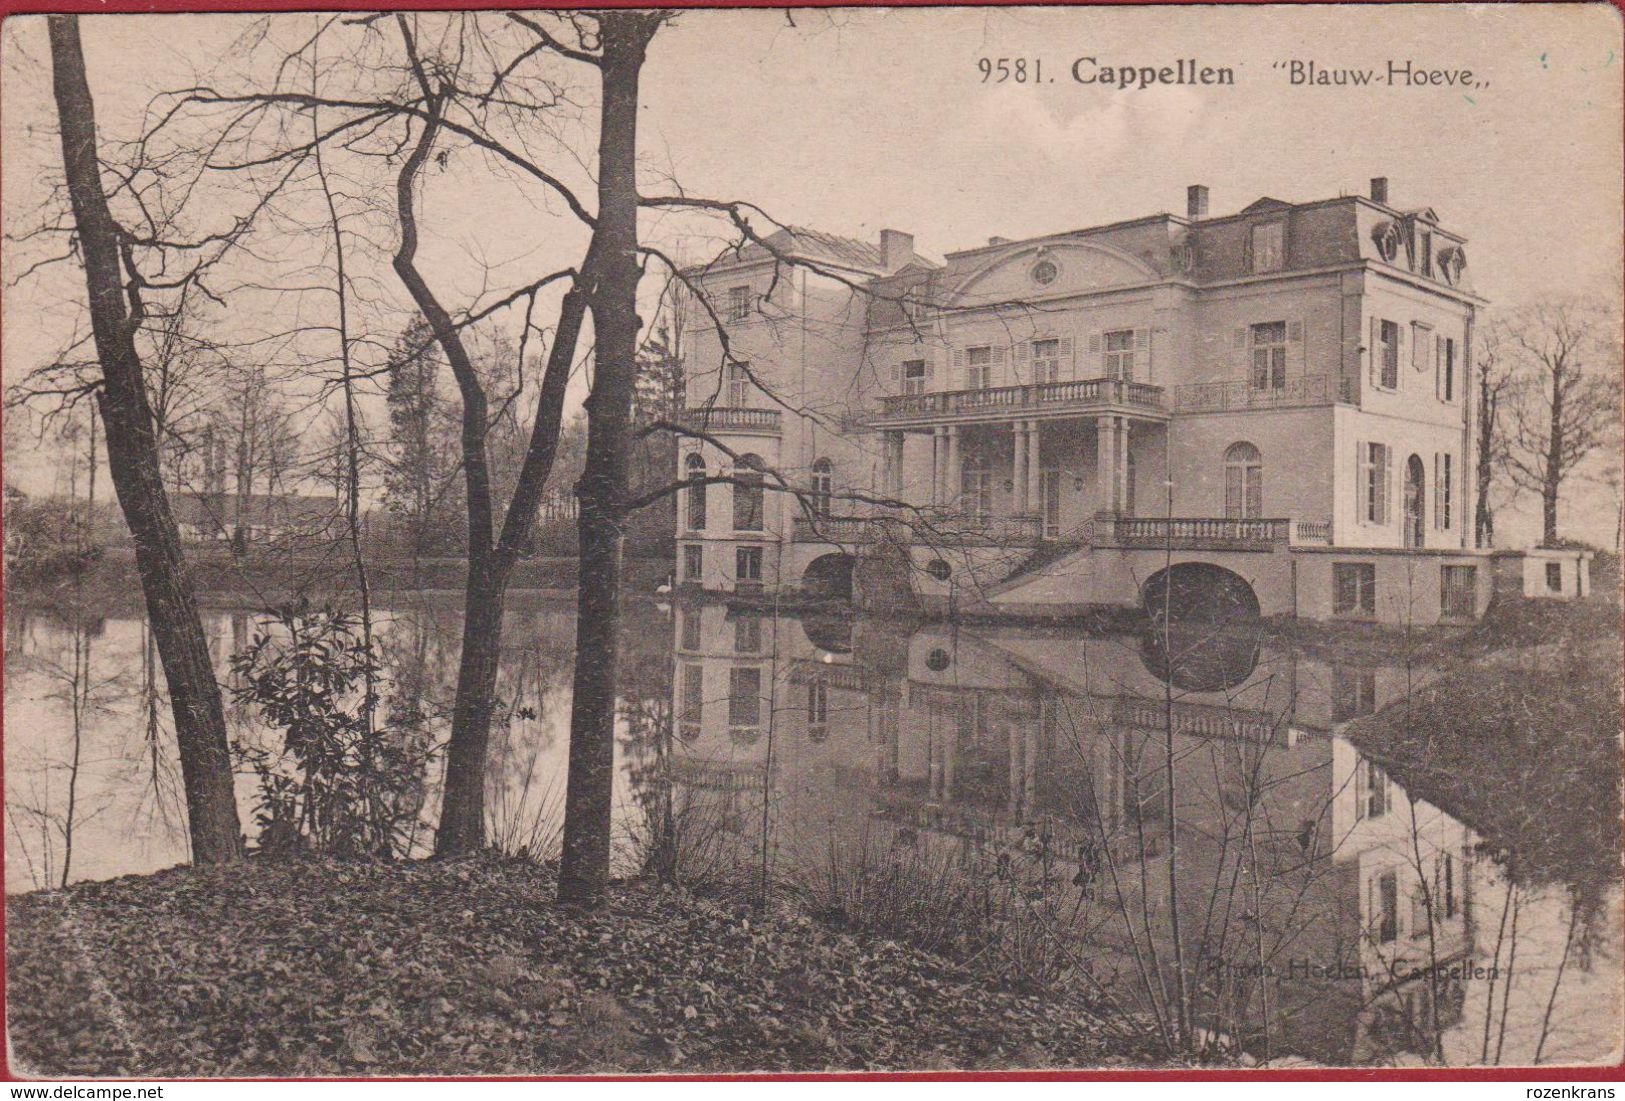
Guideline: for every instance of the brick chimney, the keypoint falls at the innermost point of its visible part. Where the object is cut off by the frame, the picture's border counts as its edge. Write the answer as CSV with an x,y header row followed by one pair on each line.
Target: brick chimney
x,y
993,241
1195,202
896,248
1379,189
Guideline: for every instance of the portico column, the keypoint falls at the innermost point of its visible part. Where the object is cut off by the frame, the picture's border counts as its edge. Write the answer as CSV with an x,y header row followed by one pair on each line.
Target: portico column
x,y
1034,467
1020,475
1122,464
899,442
953,471
937,447
1106,455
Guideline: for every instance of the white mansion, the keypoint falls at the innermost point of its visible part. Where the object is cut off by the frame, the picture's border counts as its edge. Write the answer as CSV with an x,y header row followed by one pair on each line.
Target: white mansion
x,y
1039,426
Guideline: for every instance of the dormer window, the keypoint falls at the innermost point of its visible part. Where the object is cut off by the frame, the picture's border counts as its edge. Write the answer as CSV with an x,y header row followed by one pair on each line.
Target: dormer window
x,y
1425,255
1269,246
1386,238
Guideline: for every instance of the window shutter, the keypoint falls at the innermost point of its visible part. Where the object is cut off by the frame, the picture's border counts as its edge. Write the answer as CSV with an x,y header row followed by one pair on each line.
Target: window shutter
x,y
959,369
896,371
1389,473
1297,347
1065,355
1021,352
1376,351
1238,338
1361,794
996,360
1438,368
1142,340
1094,344
1438,495
1359,482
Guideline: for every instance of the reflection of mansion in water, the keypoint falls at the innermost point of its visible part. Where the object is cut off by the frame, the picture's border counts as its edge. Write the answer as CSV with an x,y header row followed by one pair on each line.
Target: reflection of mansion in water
x,y
1038,759
1032,426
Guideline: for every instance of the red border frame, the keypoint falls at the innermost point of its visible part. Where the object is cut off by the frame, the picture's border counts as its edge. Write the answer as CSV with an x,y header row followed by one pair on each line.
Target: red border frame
x,y
1606,1073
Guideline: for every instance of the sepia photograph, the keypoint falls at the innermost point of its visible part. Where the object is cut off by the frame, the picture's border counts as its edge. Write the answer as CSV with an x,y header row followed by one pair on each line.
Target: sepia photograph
x,y
805,541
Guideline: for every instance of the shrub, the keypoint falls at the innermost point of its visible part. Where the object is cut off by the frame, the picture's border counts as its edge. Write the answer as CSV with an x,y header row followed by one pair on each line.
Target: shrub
x,y
339,783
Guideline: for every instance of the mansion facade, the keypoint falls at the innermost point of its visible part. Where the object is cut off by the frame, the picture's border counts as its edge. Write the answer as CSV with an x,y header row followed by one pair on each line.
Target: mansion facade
x,y
1040,426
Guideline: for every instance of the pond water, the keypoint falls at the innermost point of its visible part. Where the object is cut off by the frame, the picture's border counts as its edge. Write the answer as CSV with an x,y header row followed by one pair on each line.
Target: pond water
x,y
1214,820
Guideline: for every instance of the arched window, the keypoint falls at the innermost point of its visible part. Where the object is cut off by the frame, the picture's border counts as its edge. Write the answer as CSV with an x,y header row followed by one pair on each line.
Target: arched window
x,y
696,492
1243,482
823,486
748,494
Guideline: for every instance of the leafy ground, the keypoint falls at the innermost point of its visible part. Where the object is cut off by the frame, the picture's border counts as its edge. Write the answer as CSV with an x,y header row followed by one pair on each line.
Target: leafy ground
x,y
469,967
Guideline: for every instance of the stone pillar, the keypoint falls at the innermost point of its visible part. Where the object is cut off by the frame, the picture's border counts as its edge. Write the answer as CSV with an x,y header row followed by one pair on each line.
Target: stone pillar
x,y
899,448
1020,472
1035,504
938,447
1106,456
953,472
1122,464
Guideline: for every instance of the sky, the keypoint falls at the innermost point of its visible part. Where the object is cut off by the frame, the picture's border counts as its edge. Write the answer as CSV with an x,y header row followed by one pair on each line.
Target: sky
x,y
858,120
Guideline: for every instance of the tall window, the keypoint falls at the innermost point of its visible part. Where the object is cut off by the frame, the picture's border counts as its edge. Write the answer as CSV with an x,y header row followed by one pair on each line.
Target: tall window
x,y
747,634
976,490
823,486
1373,485
738,303
1049,496
1444,883
748,494
1354,588
1384,905
748,565
688,628
1269,355
1444,477
1117,351
738,385
744,696
693,562
691,706
1046,360
1447,369
1243,482
696,492
979,367
914,376
1269,246
1373,795
1387,352
817,702
1354,692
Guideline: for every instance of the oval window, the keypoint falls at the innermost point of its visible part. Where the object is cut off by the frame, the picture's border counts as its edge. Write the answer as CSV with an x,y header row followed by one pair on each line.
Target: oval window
x,y
1045,272
937,660
939,569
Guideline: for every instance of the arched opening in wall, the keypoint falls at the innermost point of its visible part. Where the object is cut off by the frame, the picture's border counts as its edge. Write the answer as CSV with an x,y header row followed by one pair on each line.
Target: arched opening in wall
x,y
1197,594
831,634
1415,501
1243,482
823,487
1208,619
829,577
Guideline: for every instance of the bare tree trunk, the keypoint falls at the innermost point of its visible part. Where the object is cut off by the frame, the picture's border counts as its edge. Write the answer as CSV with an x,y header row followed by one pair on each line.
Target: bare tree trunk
x,y
132,452
613,298
1484,516
491,556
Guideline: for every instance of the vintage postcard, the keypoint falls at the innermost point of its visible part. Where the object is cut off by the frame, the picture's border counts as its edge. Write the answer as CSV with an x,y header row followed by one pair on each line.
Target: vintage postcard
x,y
691,542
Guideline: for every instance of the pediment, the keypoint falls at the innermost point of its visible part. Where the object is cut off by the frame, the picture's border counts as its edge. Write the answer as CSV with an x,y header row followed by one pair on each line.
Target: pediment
x,y
1070,267
1259,206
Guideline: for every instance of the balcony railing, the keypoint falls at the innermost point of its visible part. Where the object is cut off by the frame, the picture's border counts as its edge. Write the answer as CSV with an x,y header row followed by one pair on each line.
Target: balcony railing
x,y
1192,533
941,527
1079,394
834,529
757,422
1304,390
1312,531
